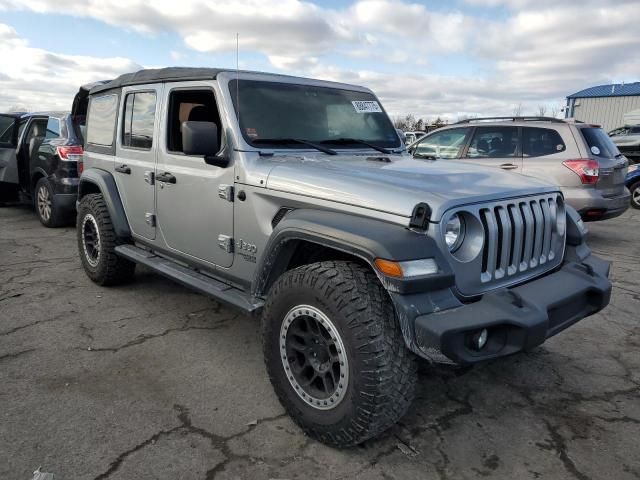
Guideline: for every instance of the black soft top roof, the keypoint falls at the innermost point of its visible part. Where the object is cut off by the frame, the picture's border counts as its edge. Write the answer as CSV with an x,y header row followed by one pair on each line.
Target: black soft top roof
x,y
170,74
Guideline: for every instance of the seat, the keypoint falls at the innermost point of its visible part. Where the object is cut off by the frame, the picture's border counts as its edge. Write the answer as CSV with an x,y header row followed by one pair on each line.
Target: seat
x,y
37,137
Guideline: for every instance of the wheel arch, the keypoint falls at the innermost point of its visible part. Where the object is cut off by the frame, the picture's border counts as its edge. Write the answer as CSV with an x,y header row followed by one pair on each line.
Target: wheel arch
x,y
100,181
341,236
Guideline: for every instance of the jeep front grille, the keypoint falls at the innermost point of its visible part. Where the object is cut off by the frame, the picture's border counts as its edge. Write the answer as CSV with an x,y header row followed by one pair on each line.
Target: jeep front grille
x,y
522,238
517,237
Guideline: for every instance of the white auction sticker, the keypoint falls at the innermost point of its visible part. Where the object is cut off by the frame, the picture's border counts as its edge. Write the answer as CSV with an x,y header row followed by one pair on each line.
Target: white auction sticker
x,y
366,106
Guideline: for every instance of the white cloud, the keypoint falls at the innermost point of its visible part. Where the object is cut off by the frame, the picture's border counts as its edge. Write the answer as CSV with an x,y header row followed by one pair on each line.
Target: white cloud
x,y
43,80
518,51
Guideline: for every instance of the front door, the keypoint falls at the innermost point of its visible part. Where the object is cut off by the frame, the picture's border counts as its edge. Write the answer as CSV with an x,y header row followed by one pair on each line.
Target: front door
x,y
496,147
135,161
8,142
194,217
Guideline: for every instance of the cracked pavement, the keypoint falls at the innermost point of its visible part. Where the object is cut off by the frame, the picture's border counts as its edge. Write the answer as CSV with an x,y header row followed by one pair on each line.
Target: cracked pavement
x,y
150,380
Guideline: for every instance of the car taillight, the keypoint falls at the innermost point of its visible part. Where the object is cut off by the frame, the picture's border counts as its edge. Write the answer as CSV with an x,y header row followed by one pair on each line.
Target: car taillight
x,y
585,168
72,153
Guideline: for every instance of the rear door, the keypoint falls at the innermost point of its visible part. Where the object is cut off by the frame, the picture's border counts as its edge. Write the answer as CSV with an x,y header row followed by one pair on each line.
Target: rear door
x,y
135,161
612,164
8,144
496,146
543,151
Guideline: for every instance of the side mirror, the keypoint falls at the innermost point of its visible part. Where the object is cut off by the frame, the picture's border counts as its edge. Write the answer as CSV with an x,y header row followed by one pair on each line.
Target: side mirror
x,y
201,139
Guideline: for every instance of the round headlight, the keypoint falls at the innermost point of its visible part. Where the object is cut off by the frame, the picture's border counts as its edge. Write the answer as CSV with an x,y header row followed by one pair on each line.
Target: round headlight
x,y
454,232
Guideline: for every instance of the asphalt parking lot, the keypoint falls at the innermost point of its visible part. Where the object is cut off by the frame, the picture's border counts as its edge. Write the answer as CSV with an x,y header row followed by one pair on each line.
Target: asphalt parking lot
x,y
150,380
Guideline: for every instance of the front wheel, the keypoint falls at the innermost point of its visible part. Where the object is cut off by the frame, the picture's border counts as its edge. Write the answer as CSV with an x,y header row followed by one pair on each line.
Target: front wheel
x,y
635,195
334,352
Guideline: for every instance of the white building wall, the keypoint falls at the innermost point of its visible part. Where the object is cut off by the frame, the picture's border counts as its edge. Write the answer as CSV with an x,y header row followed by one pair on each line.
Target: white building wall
x,y
606,111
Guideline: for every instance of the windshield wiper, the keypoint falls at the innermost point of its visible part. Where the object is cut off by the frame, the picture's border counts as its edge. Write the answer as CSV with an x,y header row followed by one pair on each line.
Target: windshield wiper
x,y
284,141
343,141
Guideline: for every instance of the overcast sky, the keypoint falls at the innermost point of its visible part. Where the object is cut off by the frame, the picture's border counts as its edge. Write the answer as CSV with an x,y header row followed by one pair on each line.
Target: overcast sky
x,y
451,58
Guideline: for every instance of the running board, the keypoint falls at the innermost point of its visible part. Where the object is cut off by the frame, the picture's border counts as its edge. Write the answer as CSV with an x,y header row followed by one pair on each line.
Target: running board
x,y
190,278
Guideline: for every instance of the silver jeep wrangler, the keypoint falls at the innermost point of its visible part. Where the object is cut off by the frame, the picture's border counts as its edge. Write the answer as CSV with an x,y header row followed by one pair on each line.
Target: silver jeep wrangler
x,y
295,198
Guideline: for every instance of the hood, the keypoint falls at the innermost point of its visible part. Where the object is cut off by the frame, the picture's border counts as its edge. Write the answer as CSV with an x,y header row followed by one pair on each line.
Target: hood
x,y
396,183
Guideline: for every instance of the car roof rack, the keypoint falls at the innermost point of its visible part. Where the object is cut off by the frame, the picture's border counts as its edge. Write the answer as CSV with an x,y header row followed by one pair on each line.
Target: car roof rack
x,y
512,119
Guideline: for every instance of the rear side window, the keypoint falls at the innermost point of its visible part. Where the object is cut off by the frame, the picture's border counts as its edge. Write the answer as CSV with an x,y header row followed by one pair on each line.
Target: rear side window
x,y
53,128
445,144
139,119
494,142
538,142
634,131
102,120
599,142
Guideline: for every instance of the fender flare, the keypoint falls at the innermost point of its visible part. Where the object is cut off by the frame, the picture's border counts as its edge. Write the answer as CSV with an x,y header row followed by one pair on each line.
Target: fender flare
x,y
105,183
362,237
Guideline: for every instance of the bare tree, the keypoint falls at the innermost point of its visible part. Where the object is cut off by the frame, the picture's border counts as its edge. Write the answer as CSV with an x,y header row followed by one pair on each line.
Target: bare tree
x,y
542,110
18,108
555,110
517,110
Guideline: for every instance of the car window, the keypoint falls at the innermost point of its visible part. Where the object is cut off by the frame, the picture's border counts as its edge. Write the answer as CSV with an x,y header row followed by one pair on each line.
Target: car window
x,y
23,123
494,142
53,128
445,144
190,105
538,142
7,126
102,120
599,142
138,120
634,131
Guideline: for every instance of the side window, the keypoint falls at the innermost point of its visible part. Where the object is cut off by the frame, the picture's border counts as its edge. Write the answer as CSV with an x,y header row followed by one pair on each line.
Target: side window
x,y
23,123
538,142
53,128
7,127
446,144
138,120
102,120
634,131
190,105
494,142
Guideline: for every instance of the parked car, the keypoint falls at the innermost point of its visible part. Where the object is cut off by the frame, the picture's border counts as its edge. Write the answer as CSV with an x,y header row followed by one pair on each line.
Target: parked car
x,y
633,184
410,137
627,139
295,198
578,157
39,154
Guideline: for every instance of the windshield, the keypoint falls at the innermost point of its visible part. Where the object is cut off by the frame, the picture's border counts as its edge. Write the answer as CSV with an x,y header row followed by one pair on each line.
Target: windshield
x,y
273,111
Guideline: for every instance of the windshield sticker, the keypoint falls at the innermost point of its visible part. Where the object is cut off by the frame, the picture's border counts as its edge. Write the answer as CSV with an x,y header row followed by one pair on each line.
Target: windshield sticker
x,y
251,132
595,150
366,106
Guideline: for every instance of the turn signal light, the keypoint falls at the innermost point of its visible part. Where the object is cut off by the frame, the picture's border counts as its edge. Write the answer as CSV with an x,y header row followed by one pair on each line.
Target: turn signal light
x,y
389,268
586,168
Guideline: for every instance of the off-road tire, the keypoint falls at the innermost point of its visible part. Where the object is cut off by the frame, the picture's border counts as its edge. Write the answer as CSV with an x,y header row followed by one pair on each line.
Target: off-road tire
x,y
635,188
382,372
107,268
55,216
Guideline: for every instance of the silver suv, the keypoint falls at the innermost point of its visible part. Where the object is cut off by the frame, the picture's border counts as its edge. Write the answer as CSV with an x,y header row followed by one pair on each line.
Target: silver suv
x,y
294,198
578,157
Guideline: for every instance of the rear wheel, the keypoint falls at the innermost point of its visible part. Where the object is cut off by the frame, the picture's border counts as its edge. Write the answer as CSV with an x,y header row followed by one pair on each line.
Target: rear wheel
x,y
334,352
48,211
635,195
97,242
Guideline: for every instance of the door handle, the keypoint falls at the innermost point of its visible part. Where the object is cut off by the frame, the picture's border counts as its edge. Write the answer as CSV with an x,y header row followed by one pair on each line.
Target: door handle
x,y
123,169
508,166
166,177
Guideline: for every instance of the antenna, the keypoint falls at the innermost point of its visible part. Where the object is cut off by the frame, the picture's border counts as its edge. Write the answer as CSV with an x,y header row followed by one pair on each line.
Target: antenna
x,y
238,77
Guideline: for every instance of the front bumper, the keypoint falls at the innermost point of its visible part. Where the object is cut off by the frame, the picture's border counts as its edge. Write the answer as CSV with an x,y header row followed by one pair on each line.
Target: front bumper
x,y
516,318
